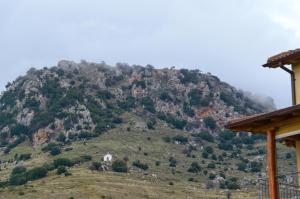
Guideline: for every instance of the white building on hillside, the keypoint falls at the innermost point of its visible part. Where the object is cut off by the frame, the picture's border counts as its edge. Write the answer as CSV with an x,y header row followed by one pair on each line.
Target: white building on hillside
x,y
107,157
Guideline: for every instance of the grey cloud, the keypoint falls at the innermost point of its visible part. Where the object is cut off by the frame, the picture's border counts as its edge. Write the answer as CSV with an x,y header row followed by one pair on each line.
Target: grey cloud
x,y
230,39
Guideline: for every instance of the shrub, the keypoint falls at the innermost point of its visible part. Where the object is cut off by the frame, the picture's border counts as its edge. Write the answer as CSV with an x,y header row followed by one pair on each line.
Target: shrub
x,y
18,179
288,156
204,155
148,104
209,150
18,170
189,76
50,146
140,165
210,122
96,166
151,123
181,139
86,135
167,139
195,96
241,166
104,95
55,151
61,137
211,165
211,176
32,103
157,163
25,156
233,186
188,110
173,162
205,136
228,99
86,158
255,166
49,166
177,123
62,162
140,83
37,173
20,175
128,103
194,168
227,135
61,170
164,96
119,166
100,128
226,146
19,129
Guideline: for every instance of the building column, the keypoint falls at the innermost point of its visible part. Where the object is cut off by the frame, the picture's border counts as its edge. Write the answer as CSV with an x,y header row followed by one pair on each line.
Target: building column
x,y
298,159
271,152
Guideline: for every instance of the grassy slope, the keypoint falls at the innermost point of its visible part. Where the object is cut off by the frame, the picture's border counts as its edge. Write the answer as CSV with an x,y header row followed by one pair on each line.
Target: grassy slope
x,y
119,142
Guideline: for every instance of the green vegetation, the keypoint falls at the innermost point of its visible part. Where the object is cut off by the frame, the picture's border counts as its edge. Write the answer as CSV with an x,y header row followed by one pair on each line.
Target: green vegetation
x,y
140,165
181,139
189,76
194,168
151,123
20,175
164,96
188,110
119,166
127,104
148,104
210,122
177,123
205,136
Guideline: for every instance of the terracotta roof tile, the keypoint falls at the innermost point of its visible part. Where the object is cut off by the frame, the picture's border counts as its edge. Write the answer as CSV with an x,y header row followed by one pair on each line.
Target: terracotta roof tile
x,y
282,58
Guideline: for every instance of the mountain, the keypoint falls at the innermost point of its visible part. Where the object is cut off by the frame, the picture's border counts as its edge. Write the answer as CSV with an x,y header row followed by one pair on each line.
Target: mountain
x,y
162,124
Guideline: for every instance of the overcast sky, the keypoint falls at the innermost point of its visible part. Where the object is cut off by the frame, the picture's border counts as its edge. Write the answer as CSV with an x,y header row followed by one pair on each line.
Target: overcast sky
x,y
229,38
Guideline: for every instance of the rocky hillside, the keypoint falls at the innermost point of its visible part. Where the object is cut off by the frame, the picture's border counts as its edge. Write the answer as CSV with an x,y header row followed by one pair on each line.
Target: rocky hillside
x,y
162,127
82,100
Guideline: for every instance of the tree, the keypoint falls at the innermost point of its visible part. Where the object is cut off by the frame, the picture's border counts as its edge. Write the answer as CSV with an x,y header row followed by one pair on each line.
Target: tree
x,y
211,165
194,168
210,122
204,154
241,166
140,165
19,129
61,170
181,139
195,96
55,151
61,137
173,162
206,136
37,173
148,104
209,149
212,176
255,166
227,135
151,123
119,166
62,162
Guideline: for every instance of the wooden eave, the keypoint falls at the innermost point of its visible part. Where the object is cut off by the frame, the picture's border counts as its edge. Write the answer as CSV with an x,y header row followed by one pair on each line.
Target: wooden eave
x,y
261,123
285,58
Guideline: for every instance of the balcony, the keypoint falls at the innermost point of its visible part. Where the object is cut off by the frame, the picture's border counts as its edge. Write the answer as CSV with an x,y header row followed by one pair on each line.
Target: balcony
x,y
288,187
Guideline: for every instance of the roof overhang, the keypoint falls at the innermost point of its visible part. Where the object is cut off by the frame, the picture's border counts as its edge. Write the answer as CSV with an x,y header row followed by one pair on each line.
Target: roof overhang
x,y
261,123
284,58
